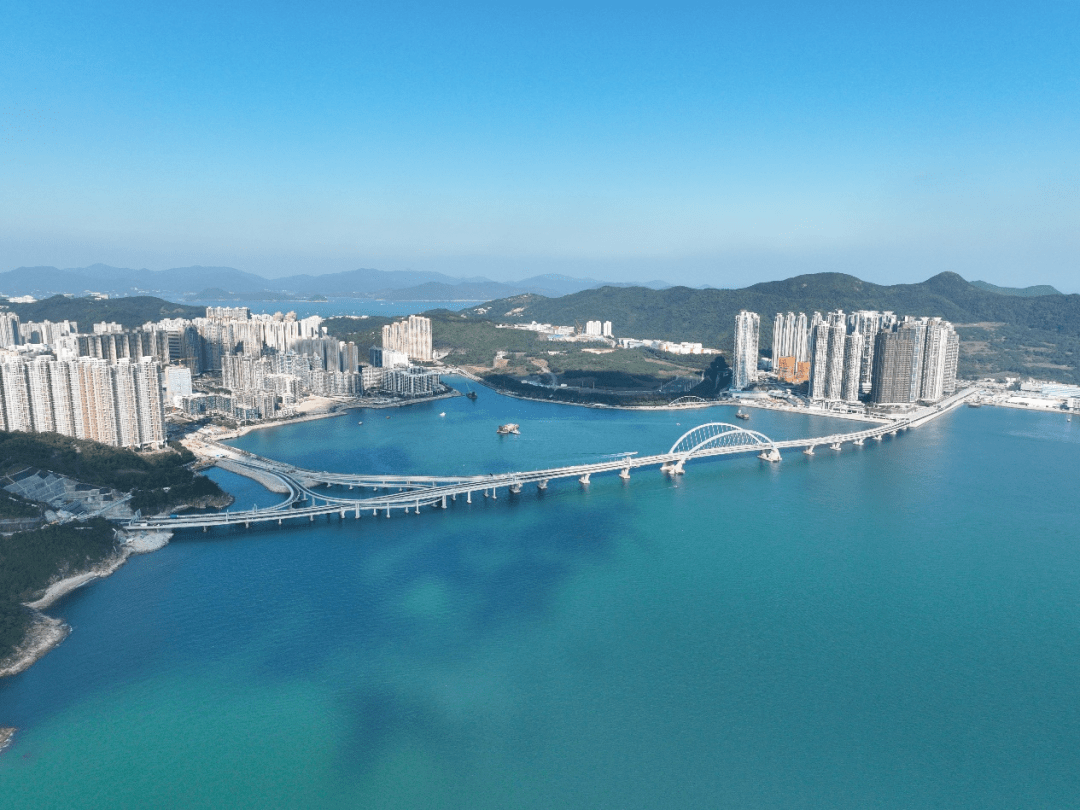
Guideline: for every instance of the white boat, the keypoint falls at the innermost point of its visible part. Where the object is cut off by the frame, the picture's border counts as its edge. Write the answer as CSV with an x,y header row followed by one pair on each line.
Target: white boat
x,y
359,423
509,427
443,413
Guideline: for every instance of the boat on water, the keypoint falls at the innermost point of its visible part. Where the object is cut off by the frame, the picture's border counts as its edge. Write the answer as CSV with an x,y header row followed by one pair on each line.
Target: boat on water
x,y
509,427
974,404
740,414
471,395
443,413
359,423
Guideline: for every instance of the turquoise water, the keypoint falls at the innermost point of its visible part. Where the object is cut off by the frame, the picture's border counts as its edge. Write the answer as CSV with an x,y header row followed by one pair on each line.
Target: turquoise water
x,y
892,626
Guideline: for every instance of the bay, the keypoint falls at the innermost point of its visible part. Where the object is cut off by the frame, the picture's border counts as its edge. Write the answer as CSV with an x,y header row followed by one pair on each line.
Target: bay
x,y
888,626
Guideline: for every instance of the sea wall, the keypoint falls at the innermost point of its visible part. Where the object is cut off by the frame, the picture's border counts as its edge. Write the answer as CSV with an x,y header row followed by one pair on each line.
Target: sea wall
x,y
271,482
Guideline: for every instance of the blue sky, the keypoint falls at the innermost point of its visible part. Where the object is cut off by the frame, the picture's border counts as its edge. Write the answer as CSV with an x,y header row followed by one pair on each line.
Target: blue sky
x,y
712,143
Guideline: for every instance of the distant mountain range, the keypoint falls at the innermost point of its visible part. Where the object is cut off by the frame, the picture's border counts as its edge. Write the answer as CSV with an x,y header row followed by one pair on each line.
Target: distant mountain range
x,y
228,282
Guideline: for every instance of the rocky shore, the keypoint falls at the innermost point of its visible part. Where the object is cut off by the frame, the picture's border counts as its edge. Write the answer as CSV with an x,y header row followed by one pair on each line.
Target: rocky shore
x,y
44,634
5,737
47,632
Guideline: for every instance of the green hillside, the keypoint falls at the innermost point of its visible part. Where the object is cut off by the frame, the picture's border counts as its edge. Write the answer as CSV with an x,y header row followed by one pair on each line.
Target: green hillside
x,y
1023,292
162,480
1004,334
129,312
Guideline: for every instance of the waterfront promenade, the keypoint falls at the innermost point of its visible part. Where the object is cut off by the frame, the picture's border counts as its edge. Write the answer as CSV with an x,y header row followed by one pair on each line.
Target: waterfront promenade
x,y
311,493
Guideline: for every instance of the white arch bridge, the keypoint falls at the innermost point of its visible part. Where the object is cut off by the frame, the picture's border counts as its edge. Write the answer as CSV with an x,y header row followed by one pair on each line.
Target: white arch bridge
x,y
411,493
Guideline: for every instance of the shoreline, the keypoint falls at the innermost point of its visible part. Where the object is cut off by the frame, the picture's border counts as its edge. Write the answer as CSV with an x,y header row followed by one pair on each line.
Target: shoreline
x,y
687,407
353,405
266,480
292,420
47,632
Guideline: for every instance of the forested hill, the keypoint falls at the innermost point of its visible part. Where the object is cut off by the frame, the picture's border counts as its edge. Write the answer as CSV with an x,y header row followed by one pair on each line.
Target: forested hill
x,y
130,312
1037,335
708,315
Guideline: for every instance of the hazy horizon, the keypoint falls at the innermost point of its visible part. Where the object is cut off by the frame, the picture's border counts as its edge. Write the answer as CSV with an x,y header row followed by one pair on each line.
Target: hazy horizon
x,y
701,144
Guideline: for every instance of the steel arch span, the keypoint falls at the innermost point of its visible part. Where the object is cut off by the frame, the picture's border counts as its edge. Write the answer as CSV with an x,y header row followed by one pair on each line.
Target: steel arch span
x,y
688,400
715,435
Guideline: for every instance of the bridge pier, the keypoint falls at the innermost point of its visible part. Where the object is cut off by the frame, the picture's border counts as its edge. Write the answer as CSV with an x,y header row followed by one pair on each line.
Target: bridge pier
x,y
418,507
515,489
625,474
468,496
772,454
810,450
311,518
836,446
878,437
541,485
860,442
388,511
494,494
358,511
204,528
443,501
584,479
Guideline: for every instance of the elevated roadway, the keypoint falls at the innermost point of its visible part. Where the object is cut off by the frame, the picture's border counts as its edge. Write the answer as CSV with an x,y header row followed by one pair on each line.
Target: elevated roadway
x,y
413,492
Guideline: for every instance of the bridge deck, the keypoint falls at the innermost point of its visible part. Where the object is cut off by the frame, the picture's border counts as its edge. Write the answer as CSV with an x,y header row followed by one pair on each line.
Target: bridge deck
x,y
418,491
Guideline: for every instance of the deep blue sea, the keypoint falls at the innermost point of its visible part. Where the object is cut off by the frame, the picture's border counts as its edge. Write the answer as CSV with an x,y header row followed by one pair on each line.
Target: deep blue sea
x,y
891,626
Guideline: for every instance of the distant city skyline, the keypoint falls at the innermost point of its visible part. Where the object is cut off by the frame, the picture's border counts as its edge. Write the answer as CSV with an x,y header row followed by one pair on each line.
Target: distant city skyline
x,y
701,144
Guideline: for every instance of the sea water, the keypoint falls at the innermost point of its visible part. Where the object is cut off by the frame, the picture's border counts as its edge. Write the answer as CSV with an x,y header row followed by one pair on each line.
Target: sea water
x,y
895,625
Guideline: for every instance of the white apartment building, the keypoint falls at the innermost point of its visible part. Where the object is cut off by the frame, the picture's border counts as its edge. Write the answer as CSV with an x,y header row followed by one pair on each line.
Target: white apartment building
x,y
114,403
745,358
411,336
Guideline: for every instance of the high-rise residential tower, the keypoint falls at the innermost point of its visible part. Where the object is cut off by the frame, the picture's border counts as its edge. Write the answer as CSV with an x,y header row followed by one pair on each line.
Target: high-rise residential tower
x,y
745,355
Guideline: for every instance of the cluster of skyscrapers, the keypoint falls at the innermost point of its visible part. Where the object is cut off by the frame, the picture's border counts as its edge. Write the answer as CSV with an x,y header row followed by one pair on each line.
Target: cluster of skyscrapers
x,y
112,384
865,355
392,370
117,403
411,337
